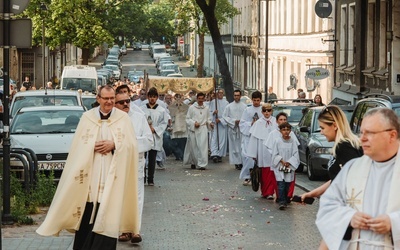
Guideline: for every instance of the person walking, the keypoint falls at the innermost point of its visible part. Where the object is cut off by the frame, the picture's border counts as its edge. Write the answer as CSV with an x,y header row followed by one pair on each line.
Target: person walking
x,y
335,127
219,136
258,151
361,207
249,117
178,111
144,137
198,123
232,114
285,160
88,200
318,100
274,135
158,120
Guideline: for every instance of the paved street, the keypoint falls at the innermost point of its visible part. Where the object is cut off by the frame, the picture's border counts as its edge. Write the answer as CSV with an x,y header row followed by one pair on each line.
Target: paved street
x,y
193,209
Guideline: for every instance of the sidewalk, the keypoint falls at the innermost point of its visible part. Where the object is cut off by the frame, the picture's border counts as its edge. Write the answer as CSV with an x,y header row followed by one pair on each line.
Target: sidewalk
x,y
193,209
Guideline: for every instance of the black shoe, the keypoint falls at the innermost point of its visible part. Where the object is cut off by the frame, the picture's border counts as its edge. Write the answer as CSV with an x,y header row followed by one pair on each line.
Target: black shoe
x,y
219,159
215,159
240,166
281,207
202,168
237,166
193,166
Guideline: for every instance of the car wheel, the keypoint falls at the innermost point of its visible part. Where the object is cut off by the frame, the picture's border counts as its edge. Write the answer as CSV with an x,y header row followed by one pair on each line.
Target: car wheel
x,y
310,170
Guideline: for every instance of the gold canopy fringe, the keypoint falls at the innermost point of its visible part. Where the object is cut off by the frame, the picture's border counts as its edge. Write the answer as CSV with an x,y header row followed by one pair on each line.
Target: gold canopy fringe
x,y
181,85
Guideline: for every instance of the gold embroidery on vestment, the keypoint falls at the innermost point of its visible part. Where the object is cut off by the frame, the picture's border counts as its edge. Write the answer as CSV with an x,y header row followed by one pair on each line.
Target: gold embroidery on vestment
x,y
87,136
352,201
81,176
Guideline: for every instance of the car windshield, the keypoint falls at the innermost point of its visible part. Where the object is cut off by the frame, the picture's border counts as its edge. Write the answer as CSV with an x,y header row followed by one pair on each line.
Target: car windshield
x,y
294,113
46,122
31,101
85,84
88,101
112,67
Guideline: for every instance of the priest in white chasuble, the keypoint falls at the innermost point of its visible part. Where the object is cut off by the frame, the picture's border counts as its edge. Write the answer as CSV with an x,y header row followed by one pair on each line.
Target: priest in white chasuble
x,y
361,208
97,194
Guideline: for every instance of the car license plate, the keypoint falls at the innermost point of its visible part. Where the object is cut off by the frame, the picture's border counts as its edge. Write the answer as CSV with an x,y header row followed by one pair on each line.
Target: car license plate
x,y
51,165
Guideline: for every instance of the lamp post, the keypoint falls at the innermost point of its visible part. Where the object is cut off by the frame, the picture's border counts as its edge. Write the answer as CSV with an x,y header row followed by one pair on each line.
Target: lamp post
x,y
43,8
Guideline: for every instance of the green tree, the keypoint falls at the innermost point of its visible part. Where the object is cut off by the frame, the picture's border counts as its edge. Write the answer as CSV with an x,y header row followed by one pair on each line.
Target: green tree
x,y
83,23
205,17
160,22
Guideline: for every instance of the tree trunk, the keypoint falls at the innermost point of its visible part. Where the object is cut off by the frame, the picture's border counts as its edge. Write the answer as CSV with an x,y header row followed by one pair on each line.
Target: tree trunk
x,y
85,56
200,59
212,23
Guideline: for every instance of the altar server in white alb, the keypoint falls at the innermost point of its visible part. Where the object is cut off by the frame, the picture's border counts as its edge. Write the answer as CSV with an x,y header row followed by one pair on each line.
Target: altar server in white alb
x,y
198,123
144,137
232,114
361,207
250,115
219,139
258,151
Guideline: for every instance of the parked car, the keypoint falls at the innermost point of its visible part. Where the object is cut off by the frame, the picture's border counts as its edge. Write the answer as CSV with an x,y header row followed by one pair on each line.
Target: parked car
x,y
123,50
135,75
175,75
369,102
137,46
53,97
167,72
48,131
89,100
315,150
145,46
294,110
116,70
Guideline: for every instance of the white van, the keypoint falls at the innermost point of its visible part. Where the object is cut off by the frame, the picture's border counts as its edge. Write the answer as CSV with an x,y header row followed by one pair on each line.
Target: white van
x,y
82,77
158,51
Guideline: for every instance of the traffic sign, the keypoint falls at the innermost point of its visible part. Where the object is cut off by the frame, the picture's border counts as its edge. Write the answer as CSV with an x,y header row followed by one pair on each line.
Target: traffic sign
x,y
20,33
323,8
181,41
16,6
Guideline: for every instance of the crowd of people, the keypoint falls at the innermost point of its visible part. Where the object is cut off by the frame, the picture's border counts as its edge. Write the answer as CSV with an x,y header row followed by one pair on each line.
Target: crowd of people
x,y
133,134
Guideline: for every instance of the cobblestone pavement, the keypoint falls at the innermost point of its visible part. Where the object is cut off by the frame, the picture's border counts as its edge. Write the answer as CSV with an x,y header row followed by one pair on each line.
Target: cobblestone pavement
x,y
193,209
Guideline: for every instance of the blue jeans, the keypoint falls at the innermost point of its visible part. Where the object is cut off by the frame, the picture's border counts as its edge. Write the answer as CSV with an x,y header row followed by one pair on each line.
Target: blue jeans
x,y
283,190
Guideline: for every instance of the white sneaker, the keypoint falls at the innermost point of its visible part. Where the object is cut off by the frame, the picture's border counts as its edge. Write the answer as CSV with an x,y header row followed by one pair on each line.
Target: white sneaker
x,y
247,183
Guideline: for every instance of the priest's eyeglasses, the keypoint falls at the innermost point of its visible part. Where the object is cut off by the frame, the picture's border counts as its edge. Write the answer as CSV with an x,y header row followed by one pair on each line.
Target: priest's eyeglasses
x,y
107,98
367,133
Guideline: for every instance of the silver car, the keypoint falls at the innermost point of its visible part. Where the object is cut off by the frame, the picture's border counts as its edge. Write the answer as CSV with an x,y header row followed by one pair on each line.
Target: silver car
x,y
48,131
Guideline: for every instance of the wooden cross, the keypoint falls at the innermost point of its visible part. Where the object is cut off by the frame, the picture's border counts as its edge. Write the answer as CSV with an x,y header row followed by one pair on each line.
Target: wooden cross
x,y
81,176
87,136
352,201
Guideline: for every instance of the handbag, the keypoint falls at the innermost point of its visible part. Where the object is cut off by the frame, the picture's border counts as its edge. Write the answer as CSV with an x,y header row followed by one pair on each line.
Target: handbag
x,y
255,175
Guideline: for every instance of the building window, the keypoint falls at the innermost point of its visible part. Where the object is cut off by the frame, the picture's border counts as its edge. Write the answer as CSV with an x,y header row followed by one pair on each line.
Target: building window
x,y
370,35
351,40
343,33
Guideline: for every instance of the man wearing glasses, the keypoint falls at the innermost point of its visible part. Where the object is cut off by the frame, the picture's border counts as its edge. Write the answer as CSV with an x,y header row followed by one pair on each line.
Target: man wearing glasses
x,y
219,140
144,138
88,199
361,207
232,114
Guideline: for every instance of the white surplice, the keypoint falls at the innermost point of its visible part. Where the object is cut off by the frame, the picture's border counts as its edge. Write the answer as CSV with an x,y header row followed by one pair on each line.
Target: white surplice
x,y
232,113
286,150
219,139
367,186
258,134
196,150
245,125
144,138
159,119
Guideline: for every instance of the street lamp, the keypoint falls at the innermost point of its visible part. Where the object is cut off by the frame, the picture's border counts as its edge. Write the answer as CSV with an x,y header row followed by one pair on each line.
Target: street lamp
x,y
43,8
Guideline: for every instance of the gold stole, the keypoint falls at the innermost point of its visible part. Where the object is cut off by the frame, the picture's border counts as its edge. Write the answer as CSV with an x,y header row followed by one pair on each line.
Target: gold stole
x,y
356,180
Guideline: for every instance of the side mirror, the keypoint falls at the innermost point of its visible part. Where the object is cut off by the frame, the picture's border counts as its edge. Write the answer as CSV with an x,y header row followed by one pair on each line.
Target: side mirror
x,y
304,129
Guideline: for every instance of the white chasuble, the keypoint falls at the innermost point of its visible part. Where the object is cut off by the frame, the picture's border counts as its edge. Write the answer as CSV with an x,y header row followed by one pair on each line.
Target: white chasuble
x,y
367,186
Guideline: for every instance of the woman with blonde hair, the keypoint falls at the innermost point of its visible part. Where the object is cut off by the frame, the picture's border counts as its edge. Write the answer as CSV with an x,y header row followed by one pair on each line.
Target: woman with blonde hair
x,y
335,127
